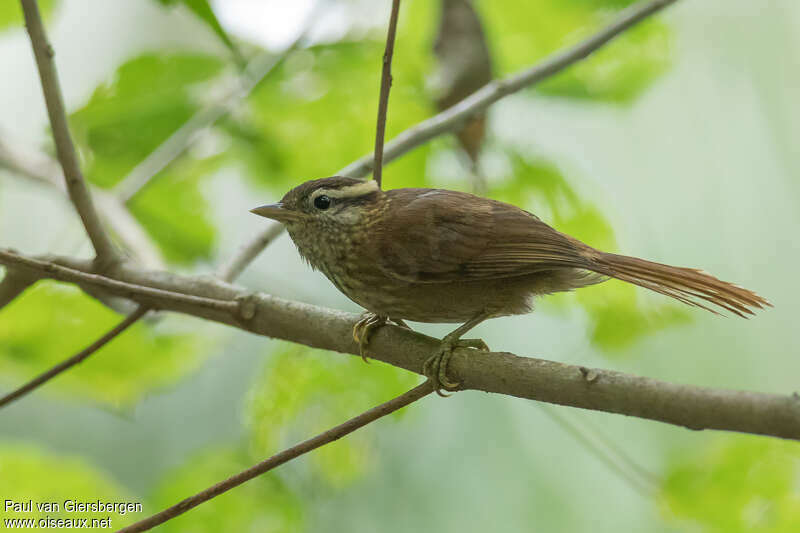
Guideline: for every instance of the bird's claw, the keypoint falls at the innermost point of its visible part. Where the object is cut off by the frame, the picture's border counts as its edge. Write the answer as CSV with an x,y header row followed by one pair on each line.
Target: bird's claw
x,y
363,329
435,367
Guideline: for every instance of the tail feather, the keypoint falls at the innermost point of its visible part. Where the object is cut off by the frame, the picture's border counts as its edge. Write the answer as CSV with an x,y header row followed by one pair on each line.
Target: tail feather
x,y
687,285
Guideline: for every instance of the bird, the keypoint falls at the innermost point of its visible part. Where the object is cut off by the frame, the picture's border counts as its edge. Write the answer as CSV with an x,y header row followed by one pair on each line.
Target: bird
x,y
443,256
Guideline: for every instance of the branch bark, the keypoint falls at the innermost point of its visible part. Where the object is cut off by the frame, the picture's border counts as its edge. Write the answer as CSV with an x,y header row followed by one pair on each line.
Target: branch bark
x,y
454,117
76,184
499,372
285,456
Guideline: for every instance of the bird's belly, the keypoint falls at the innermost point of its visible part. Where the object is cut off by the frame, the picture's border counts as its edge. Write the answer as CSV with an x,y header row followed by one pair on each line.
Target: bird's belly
x,y
439,302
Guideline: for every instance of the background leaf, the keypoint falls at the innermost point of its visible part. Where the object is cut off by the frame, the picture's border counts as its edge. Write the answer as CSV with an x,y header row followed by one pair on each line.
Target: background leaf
x,y
522,32
291,401
142,359
28,472
737,484
11,13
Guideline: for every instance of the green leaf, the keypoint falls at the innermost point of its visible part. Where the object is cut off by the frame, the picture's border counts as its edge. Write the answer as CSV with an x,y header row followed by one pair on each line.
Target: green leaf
x,y
11,13
264,504
617,317
30,473
150,97
521,33
291,401
317,113
203,10
738,484
176,214
142,359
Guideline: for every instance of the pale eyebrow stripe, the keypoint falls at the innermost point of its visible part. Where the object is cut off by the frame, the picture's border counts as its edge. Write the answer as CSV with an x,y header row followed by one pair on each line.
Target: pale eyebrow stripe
x,y
351,191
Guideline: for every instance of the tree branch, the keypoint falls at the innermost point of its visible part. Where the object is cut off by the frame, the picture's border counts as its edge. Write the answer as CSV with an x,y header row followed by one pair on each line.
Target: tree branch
x,y
74,360
287,455
76,185
452,118
132,291
500,372
383,99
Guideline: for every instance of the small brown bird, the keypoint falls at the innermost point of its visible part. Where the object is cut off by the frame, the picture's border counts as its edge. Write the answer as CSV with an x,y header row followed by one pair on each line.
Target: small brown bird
x,y
433,255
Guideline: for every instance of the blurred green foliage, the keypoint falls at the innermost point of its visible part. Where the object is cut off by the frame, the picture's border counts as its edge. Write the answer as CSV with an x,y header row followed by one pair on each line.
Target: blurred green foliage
x,y
149,98
292,400
737,484
30,473
521,33
11,12
50,322
264,504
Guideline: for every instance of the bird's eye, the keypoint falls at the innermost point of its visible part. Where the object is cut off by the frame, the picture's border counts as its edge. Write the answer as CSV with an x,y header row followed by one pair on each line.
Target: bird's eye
x,y
322,202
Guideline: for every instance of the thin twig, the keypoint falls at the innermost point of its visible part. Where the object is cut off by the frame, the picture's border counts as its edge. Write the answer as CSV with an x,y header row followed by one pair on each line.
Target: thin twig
x,y
280,458
386,85
43,378
76,184
176,144
452,118
121,288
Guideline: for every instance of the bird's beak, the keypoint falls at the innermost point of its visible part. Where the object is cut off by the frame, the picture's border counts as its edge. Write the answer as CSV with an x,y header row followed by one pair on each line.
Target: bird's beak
x,y
275,212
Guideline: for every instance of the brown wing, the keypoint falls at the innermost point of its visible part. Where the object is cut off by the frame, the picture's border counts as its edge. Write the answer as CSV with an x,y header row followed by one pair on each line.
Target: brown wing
x,y
440,236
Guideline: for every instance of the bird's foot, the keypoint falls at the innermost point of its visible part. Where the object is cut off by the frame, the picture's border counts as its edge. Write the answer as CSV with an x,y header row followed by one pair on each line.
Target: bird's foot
x,y
435,368
363,329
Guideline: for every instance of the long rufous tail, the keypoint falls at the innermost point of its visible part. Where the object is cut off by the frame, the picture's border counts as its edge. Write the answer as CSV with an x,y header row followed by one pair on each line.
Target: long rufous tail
x,y
689,285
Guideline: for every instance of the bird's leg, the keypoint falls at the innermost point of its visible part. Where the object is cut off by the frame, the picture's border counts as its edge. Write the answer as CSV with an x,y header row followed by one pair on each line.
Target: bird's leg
x,y
436,365
363,329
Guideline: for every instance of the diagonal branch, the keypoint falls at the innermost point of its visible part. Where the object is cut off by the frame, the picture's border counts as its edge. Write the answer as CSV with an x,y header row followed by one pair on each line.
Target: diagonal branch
x,y
79,357
452,118
285,456
76,185
383,99
500,372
